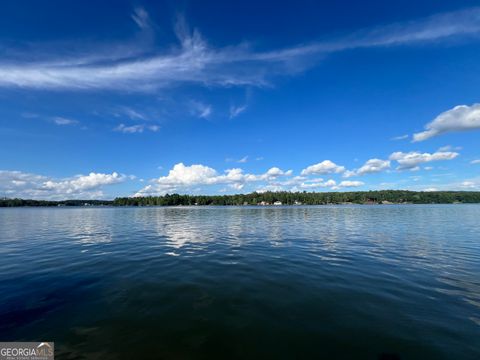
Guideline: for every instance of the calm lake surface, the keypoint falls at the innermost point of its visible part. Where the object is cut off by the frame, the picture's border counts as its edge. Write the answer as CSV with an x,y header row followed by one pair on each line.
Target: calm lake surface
x,y
344,282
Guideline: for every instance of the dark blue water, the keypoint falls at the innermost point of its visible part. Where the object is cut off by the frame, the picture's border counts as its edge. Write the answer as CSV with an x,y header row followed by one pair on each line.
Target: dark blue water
x,y
331,282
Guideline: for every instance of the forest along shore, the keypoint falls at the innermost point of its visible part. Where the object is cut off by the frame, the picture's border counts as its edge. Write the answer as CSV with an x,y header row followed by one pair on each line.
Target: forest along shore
x,y
271,198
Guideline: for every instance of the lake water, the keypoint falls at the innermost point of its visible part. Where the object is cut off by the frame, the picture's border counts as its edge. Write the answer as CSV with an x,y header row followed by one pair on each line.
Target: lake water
x,y
327,282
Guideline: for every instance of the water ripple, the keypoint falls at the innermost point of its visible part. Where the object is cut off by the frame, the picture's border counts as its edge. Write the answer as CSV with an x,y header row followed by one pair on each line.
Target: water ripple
x,y
244,282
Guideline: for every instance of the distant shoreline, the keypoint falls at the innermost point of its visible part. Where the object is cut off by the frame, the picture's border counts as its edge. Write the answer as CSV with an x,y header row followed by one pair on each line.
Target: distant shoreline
x,y
379,197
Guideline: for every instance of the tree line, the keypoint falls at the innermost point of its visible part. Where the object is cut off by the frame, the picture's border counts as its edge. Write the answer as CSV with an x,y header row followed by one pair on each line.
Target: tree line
x,y
306,198
269,198
28,202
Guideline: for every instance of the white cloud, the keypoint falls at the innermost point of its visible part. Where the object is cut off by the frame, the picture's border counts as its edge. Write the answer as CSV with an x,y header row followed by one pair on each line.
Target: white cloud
x,y
27,185
475,161
200,109
349,173
195,61
141,18
374,166
64,121
401,137
236,110
460,118
370,167
450,148
324,167
302,183
347,183
83,182
469,184
472,184
189,175
412,160
313,184
243,160
182,178
132,113
272,188
275,172
153,128
297,183
140,128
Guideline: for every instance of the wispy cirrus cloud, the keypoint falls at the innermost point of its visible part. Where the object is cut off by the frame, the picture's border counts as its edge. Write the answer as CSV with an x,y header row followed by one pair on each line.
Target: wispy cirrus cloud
x,y
131,113
242,160
141,18
138,128
64,121
200,109
400,137
195,61
237,110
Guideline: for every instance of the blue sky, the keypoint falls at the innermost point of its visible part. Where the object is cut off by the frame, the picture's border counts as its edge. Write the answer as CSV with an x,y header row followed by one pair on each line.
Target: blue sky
x,y
145,98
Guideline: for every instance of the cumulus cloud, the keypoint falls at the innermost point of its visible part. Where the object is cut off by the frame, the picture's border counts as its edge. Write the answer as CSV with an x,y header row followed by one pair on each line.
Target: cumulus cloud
x,y
188,178
348,183
314,183
182,178
412,160
374,166
370,167
275,172
272,188
298,183
472,184
324,167
139,128
83,182
27,185
193,60
460,118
